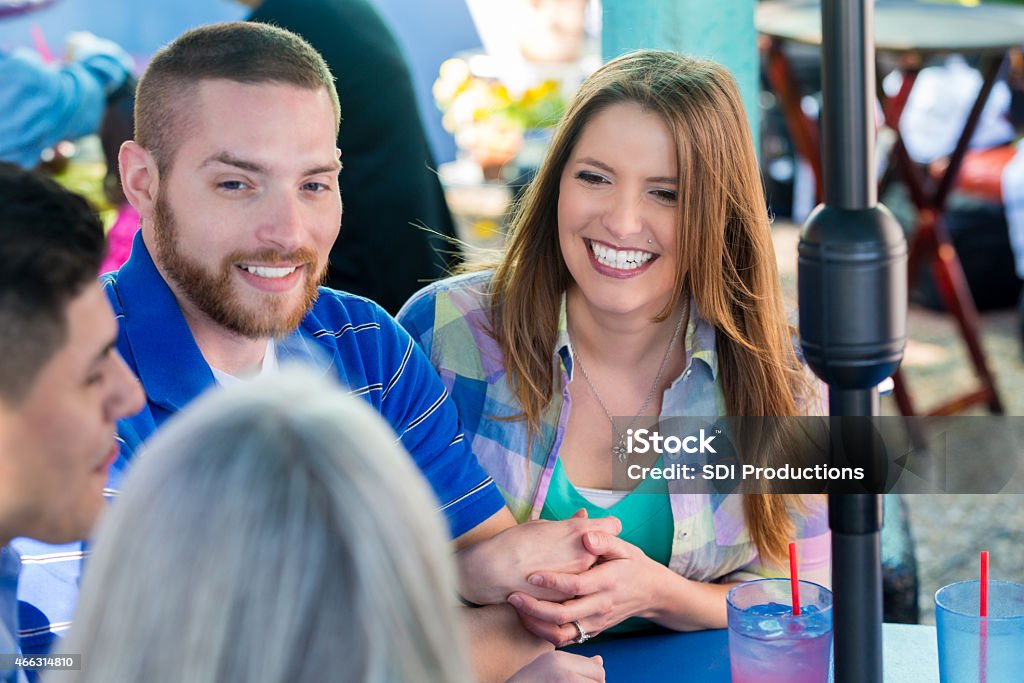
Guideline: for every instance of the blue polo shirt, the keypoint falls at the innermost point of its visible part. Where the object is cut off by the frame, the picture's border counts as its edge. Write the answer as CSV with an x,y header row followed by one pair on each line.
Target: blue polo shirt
x,y
345,335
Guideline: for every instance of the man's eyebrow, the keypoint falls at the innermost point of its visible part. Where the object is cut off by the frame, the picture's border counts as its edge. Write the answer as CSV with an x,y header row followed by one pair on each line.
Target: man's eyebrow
x,y
326,168
102,355
228,159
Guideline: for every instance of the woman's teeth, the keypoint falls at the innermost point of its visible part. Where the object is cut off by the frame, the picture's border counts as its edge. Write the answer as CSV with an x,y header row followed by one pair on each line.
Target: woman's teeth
x,y
620,259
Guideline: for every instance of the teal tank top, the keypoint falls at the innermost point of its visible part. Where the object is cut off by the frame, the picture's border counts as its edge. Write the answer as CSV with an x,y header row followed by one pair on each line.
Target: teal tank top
x,y
645,513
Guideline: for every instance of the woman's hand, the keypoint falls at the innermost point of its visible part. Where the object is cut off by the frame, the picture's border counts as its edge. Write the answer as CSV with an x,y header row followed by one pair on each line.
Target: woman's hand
x,y
491,570
559,667
620,586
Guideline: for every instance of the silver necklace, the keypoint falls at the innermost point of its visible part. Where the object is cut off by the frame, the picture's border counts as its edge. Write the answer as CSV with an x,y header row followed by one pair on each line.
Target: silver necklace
x,y
619,440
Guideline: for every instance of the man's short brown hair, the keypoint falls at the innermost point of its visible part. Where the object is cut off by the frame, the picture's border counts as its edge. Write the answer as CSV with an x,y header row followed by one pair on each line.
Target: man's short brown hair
x,y
243,52
51,247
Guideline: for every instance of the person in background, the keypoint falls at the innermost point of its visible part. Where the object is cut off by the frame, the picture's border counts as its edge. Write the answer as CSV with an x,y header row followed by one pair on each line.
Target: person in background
x,y
239,209
639,279
63,385
396,231
117,127
42,104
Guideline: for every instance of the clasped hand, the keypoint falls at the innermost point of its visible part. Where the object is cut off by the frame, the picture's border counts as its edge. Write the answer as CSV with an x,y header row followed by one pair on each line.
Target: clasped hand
x,y
620,585
498,567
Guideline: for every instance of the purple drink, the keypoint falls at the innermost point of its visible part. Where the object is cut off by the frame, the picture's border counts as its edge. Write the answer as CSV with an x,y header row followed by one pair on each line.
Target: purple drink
x,y
768,643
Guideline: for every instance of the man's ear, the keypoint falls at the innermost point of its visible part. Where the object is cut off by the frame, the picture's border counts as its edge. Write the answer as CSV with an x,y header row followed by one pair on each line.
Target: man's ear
x,y
139,177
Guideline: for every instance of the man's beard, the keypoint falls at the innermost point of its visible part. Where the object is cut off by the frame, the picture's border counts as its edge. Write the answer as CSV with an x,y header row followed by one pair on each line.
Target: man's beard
x,y
215,296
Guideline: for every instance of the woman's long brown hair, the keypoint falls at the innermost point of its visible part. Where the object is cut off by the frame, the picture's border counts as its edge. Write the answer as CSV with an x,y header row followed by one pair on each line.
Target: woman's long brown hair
x,y
725,255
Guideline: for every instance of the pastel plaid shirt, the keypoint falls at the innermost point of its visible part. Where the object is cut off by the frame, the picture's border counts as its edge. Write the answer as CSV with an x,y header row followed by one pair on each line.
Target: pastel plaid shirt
x,y
449,320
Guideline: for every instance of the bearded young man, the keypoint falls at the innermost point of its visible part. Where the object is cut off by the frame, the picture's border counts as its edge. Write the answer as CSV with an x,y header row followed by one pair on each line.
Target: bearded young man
x,y
234,172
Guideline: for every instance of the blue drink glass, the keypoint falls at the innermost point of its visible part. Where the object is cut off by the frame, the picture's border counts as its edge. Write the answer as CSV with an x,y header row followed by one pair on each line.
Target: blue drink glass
x,y
768,644
973,649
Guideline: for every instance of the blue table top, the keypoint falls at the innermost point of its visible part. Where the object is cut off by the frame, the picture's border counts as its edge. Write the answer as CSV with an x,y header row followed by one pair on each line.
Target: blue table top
x,y
910,655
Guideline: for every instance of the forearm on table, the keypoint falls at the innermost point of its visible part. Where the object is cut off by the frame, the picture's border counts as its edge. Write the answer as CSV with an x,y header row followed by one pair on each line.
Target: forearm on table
x,y
477,564
475,583
684,605
499,645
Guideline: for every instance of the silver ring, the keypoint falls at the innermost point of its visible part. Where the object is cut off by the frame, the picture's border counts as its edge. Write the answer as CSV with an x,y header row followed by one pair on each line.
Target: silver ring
x,y
583,635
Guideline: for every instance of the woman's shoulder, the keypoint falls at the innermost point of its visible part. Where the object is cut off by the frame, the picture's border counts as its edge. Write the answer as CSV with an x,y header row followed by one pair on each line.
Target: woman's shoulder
x,y
467,292
451,317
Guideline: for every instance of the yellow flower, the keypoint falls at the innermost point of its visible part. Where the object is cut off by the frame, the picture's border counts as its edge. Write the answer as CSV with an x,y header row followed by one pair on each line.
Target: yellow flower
x,y
485,117
453,77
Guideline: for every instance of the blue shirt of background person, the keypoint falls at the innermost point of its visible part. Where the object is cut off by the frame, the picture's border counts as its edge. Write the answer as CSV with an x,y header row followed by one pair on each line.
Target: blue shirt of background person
x,y
43,104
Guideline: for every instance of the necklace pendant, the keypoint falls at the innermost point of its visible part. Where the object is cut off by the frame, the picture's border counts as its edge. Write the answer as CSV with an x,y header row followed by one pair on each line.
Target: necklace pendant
x,y
619,451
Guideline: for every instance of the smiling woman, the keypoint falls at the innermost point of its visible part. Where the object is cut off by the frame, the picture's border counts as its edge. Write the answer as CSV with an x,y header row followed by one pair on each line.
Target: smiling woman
x,y
641,255
617,214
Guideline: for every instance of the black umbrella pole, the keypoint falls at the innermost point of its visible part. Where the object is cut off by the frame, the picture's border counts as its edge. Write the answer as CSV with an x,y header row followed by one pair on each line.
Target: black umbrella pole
x,y
852,282
852,287
848,93
848,144
856,523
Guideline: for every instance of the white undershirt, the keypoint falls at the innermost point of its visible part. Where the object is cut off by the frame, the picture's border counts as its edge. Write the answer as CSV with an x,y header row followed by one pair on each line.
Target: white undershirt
x,y
602,498
269,365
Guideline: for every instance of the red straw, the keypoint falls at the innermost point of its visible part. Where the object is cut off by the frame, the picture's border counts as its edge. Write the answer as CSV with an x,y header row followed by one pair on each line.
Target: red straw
x,y
983,622
983,607
794,579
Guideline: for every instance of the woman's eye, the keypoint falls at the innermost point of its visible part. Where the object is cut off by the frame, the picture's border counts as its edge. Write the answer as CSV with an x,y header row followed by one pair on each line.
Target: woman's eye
x,y
666,196
231,185
591,178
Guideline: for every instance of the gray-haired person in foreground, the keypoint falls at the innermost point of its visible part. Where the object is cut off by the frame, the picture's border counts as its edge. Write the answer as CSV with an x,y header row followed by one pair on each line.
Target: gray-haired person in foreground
x,y
277,531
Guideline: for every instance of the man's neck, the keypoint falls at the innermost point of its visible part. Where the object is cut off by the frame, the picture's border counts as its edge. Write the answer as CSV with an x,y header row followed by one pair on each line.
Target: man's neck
x,y
222,348
225,350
